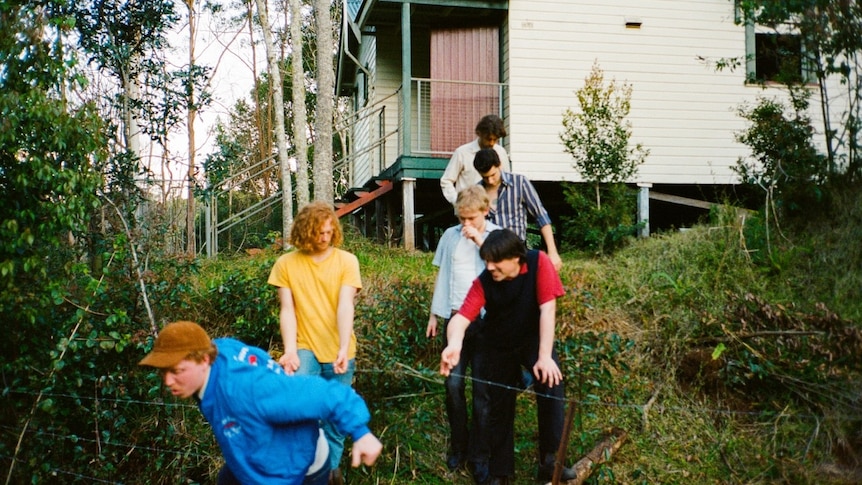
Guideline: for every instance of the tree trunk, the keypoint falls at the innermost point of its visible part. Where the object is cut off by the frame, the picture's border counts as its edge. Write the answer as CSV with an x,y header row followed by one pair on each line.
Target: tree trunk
x,y
323,177
191,245
278,108
297,76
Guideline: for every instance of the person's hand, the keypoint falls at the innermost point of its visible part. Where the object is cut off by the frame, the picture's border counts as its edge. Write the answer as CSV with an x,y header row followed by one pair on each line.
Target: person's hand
x,y
449,359
431,329
341,361
556,260
365,450
547,372
290,362
472,234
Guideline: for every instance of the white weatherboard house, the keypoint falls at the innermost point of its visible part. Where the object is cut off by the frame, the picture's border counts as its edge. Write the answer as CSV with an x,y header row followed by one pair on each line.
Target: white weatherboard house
x,y
420,75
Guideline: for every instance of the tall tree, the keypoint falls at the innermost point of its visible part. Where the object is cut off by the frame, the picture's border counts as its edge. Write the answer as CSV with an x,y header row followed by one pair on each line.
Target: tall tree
x,y
323,173
597,136
48,151
300,121
119,36
191,246
50,148
278,107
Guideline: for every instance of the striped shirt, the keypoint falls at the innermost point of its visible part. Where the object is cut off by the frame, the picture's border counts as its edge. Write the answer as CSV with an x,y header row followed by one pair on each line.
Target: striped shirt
x,y
516,199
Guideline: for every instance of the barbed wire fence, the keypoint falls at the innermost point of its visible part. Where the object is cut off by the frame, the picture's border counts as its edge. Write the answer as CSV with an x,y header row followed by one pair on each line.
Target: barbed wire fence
x,y
58,436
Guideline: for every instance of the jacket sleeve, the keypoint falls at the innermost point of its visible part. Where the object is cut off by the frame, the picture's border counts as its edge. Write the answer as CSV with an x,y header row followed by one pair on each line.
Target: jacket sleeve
x,y
282,400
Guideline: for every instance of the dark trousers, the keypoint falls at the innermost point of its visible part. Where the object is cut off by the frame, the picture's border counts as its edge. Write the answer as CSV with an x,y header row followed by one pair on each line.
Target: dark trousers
x,y
504,367
472,444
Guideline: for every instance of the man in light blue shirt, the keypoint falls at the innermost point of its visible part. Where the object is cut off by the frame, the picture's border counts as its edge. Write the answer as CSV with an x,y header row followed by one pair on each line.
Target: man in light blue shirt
x,y
458,258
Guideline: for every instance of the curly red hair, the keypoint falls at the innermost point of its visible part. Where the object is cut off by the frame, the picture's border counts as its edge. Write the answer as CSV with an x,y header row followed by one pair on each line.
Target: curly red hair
x,y
307,224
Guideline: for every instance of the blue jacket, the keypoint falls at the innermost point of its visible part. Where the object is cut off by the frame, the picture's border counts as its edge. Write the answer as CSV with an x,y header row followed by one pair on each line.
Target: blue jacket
x,y
267,422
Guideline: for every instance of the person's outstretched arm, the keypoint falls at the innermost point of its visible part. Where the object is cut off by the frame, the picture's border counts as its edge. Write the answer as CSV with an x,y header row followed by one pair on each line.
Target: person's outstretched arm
x,y
451,355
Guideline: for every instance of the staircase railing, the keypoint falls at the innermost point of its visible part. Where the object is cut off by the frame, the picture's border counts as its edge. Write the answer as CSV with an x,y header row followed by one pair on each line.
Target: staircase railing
x,y
214,227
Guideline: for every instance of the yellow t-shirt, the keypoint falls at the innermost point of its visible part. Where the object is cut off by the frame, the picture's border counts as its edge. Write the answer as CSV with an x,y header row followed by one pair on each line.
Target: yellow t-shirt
x,y
315,287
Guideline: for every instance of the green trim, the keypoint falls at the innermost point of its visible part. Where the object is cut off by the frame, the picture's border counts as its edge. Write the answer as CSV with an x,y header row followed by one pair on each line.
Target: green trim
x,y
486,4
415,167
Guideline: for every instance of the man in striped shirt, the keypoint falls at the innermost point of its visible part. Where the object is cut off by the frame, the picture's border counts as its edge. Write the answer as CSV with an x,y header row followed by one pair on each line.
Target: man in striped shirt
x,y
513,198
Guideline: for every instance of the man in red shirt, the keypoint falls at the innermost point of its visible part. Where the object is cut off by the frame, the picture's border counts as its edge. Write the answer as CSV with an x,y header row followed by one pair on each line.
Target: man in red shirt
x,y
519,291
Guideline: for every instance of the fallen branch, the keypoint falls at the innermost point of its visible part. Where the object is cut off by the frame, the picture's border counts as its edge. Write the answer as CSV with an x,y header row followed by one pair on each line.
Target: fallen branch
x,y
600,454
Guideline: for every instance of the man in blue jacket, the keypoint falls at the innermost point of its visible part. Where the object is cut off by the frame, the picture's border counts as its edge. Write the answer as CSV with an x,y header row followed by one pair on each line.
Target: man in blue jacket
x,y
267,423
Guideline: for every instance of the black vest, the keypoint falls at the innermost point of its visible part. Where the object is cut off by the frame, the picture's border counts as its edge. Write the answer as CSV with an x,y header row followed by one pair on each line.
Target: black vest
x,y
511,308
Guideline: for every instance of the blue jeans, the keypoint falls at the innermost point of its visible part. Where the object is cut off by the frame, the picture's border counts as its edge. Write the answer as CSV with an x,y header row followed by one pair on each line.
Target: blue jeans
x,y
308,365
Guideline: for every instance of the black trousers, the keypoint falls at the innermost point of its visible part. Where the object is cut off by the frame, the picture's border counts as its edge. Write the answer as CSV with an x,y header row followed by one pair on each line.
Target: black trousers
x,y
503,367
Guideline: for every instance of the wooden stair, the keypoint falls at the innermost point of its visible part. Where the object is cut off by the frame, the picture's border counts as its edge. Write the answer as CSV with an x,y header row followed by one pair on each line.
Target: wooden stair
x,y
362,197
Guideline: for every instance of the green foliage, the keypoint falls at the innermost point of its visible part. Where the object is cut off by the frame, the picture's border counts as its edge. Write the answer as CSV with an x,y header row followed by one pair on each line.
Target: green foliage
x,y
47,151
598,136
596,372
392,333
828,31
717,360
240,302
785,162
600,229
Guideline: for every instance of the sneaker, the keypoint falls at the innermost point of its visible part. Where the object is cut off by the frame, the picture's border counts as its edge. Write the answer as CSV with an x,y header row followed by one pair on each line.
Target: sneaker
x,y
480,472
454,460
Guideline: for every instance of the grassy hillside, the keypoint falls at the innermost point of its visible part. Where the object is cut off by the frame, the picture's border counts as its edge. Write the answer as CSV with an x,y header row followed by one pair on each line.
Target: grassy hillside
x,y
726,356
729,353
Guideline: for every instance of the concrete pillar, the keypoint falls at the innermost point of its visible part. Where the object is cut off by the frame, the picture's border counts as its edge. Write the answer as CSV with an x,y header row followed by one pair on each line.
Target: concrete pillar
x,y
408,186
643,207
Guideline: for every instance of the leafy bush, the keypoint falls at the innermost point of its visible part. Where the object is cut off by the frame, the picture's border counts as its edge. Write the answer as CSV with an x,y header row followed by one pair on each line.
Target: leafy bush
x,y
785,164
240,302
600,229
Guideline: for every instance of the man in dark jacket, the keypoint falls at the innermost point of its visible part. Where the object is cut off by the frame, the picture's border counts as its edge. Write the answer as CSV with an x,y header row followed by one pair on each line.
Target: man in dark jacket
x,y
518,290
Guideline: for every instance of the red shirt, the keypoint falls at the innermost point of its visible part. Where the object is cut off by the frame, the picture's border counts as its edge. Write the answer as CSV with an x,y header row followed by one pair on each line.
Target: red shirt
x,y
548,287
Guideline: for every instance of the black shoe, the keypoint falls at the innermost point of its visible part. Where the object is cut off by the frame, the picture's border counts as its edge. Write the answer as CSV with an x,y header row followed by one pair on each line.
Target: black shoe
x,y
546,470
454,461
479,470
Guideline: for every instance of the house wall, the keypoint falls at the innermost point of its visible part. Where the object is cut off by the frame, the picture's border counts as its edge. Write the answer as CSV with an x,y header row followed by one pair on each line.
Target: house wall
x,y
387,81
682,109
504,78
365,131
386,71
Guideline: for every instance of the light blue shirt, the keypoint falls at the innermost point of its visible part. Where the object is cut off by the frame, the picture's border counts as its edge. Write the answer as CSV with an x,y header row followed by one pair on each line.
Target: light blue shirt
x,y
440,303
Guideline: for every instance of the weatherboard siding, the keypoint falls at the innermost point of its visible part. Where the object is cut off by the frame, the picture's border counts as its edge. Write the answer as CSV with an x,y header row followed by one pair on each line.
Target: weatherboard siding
x,y
683,111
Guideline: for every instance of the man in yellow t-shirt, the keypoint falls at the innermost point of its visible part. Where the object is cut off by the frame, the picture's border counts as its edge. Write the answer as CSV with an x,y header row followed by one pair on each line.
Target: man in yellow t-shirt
x,y
317,284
